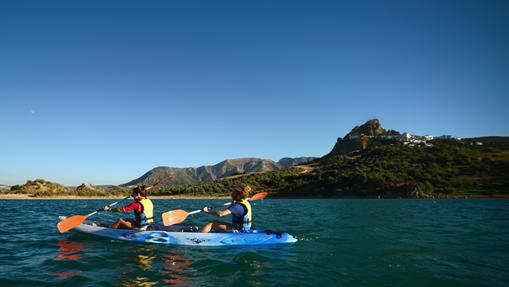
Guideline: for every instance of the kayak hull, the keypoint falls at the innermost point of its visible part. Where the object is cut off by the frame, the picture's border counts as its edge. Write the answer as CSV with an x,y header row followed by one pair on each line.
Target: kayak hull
x,y
183,235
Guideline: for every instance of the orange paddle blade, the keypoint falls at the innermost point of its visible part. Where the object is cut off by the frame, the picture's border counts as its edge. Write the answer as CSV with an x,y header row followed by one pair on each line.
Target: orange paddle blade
x,y
174,217
260,195
70,223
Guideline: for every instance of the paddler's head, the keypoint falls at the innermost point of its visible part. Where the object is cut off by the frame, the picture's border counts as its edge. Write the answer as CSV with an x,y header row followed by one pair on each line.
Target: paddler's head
x,y
139,192
240,192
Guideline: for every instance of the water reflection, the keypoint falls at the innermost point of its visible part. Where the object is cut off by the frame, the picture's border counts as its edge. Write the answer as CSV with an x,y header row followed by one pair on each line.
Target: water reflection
x,y
139,281
67,250
175,268
153,267
64,275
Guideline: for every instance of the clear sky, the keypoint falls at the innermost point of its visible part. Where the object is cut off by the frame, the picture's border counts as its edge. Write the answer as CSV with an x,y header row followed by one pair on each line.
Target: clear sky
x,y
103,91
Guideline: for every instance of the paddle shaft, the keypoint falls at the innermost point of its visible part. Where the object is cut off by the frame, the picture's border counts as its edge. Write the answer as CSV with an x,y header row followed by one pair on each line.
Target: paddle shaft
x,y
199,210
194,212
158,182
260,195
176,216
109,205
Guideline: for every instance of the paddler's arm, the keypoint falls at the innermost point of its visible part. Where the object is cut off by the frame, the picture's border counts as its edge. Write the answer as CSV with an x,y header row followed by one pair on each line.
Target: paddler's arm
x,y
129,207
106,208
219,213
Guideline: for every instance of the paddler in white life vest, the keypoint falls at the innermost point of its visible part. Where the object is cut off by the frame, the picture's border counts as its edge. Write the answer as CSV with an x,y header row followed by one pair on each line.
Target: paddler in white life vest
x,y
240,209
143,211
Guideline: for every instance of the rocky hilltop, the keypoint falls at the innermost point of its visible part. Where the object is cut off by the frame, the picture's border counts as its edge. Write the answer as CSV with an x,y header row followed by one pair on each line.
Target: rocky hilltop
x,y
370,128
87,189
361,137
208,173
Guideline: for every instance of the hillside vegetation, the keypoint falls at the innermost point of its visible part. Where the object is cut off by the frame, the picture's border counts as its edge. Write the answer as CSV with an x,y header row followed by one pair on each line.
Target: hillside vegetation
x,y
208,173
44,188
448,168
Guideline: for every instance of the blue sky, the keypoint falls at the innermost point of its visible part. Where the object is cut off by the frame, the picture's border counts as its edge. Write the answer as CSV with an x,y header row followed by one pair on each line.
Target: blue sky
x,y
103,91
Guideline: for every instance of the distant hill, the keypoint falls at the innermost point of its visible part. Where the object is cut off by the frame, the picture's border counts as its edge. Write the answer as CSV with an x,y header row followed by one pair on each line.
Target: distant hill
x,y
44,188
40,187
223,169
371,161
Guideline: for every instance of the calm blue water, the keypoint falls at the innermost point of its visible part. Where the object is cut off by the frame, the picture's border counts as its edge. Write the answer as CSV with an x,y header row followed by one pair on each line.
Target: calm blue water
x,y
342,242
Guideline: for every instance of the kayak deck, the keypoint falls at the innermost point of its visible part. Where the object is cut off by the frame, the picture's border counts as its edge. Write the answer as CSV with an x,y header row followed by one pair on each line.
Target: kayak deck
x,y
188,235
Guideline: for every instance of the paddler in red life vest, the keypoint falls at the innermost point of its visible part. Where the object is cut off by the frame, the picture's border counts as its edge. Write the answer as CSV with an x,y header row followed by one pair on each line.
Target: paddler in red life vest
x,y
143,211
240,210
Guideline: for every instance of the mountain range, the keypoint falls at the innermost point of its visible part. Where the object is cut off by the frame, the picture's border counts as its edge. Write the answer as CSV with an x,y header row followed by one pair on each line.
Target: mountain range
x,y
220,170
367,161
371,161
356,139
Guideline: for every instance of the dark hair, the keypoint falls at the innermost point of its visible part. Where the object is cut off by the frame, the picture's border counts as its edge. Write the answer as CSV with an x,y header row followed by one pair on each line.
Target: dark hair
x,y
141,190
241,191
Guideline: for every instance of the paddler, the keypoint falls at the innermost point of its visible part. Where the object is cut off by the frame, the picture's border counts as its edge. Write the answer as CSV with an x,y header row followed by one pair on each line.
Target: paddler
x,y
143,211
240,209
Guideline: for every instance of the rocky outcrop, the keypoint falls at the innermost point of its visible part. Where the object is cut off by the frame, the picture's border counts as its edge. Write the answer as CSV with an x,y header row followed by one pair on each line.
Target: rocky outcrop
x,y
86,189
361,137
371,128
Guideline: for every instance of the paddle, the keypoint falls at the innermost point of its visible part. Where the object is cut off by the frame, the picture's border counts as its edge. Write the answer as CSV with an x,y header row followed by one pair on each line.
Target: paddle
x,y
257,196
177,216
75,220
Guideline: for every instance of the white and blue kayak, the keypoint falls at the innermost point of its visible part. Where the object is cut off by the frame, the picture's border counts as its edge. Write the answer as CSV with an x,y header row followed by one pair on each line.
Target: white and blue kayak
x,y
187,235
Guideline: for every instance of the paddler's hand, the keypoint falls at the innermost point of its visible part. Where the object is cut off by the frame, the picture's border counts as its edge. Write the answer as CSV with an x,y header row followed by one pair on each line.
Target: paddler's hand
x,y
106,208
205,209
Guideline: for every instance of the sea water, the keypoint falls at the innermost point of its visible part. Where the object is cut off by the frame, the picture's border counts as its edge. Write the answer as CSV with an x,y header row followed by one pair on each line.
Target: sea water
x,y
342,242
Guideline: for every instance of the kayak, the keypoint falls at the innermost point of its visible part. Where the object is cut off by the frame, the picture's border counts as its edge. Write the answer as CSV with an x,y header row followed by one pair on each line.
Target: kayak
x,y
188,235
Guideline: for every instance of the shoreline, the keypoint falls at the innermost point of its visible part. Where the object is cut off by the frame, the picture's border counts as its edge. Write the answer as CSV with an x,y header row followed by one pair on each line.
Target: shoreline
x,y
75,197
